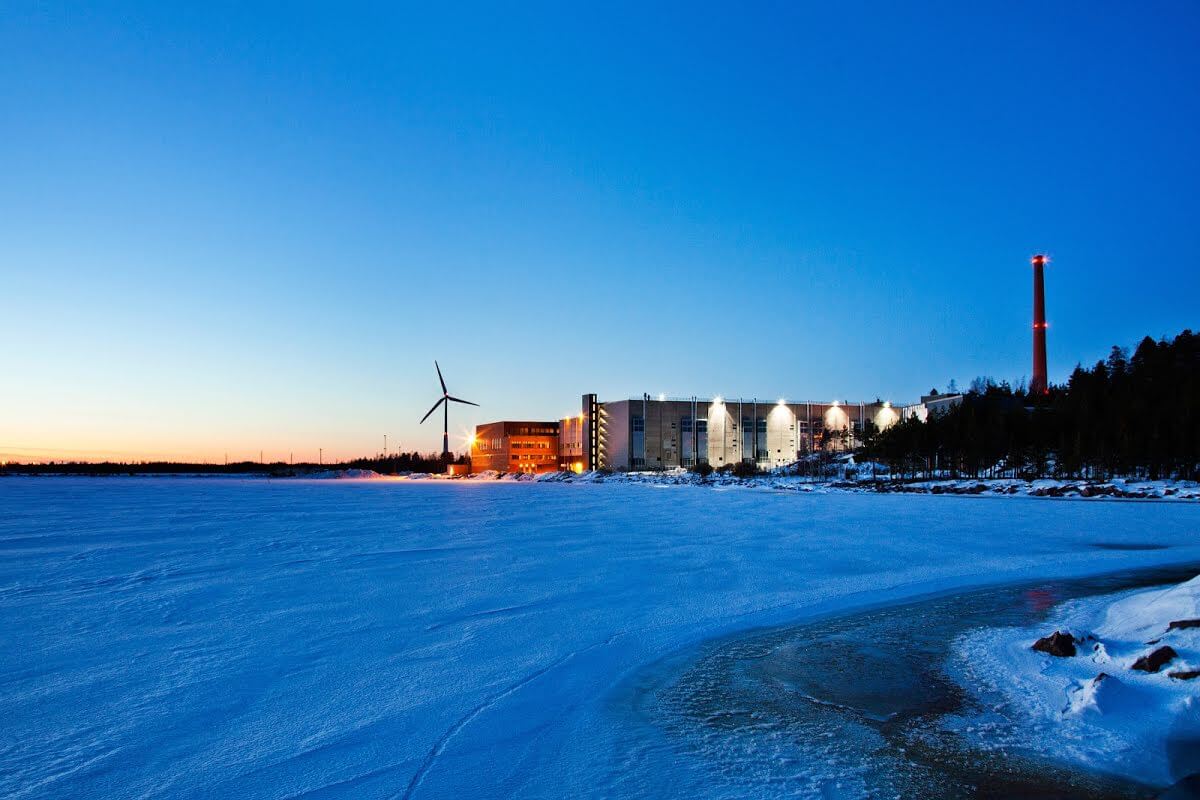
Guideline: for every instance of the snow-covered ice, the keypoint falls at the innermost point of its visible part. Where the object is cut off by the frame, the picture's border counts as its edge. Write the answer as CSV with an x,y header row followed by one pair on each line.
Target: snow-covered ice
x,y
375,638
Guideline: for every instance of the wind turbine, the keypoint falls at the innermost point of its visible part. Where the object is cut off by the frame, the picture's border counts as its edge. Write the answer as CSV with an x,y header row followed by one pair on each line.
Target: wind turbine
x,y
445,402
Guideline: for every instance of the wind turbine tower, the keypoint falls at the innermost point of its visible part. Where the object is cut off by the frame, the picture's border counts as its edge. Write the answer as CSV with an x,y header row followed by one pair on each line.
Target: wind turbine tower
x,y
444,402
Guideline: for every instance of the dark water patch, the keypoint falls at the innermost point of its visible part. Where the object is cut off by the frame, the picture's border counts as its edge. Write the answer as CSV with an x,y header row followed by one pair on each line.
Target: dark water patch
x,y
852,706
1136,546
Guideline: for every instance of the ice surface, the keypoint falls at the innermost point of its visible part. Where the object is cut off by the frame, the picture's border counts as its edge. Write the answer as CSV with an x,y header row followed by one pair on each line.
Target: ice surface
x,y
342,638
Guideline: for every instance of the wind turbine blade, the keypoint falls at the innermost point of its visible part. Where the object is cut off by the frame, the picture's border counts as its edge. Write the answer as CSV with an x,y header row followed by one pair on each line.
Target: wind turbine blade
x,y
455,399
440,378
430,411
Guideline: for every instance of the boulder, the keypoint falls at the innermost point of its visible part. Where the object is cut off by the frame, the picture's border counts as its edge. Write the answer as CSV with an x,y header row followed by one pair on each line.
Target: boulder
x,y
1182,624
1185,675
1056,644
1155,660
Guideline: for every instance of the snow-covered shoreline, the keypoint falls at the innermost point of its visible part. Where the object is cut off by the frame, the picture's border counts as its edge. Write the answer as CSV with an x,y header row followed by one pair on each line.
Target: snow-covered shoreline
x,y
1120,693
1114,489
1118,488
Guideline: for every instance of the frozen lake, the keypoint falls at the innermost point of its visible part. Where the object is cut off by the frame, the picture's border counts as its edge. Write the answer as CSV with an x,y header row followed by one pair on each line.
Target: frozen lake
x,y
245,638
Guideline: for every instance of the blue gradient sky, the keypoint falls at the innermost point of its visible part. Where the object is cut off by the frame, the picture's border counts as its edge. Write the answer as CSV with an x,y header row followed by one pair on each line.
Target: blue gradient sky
x,y
226,228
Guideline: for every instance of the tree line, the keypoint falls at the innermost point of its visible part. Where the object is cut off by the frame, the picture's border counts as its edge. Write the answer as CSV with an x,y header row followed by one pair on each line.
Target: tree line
x,y
391,464
1128,415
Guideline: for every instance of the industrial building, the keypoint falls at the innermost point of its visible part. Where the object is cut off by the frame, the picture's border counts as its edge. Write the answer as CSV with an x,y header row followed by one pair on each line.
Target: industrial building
x,y
649,433
661,433
515,446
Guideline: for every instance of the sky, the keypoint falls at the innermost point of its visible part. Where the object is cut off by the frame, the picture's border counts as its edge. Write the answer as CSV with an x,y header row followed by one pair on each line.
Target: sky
x,y
228,228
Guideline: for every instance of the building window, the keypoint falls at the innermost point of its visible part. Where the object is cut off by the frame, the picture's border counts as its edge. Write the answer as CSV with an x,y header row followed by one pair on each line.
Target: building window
x,y
701,441
687,453
760,426
637,444
747,438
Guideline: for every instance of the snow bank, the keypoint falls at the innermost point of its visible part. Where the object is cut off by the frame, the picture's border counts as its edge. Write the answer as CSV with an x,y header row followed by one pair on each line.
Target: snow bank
x,y
1146,615
343,474
1102,708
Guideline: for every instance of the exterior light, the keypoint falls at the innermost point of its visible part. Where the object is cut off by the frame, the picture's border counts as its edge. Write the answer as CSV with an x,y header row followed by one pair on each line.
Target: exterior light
x,y
717,400
661,397
887,404
782,402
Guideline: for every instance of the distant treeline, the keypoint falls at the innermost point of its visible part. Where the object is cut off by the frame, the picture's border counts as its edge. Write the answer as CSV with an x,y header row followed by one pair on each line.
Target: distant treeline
x,y
1136,416
388,465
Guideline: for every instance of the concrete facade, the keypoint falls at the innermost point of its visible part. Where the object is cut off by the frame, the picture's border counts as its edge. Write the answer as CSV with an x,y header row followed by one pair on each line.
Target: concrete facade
x,y
654,434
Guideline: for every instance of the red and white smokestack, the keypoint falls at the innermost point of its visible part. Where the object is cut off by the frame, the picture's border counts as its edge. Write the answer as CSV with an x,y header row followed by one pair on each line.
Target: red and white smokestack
x,y
1039,384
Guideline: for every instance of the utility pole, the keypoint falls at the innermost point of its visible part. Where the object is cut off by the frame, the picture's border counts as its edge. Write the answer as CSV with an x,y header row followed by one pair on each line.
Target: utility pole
x,y
385,445
320,455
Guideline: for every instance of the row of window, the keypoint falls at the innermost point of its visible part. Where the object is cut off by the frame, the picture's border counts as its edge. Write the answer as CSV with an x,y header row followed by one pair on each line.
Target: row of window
x,y
694,439
759,425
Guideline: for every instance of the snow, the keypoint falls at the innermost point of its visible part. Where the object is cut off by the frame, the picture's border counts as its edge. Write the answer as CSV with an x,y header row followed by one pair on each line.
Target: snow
x,y
371,638
1092,709
344,474
864,480
1146,615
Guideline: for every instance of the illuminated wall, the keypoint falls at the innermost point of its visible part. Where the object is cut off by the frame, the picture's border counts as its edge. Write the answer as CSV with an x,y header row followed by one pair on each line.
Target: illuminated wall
x,y
653,434
571,444
515,446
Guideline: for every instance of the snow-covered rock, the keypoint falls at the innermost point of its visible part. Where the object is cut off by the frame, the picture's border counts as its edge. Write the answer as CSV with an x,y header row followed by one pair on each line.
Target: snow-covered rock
x,y
1103,694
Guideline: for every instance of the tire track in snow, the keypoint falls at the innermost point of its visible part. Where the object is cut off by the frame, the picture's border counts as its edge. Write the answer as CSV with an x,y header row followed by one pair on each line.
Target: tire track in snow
x,y
442,743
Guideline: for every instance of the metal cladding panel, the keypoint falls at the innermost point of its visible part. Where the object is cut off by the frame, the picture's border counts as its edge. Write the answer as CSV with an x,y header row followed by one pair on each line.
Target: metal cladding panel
x,y
614,434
